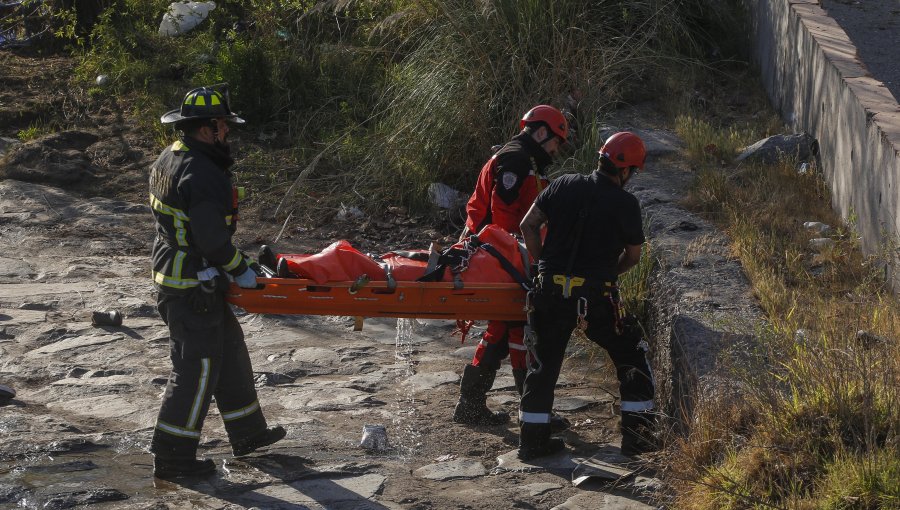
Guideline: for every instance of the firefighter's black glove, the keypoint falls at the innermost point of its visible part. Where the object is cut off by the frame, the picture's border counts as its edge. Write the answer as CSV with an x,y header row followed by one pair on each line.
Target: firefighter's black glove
x,y
202,298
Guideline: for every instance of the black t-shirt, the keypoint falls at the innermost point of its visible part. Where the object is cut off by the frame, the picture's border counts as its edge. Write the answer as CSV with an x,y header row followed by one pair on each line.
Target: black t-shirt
x,y
612,221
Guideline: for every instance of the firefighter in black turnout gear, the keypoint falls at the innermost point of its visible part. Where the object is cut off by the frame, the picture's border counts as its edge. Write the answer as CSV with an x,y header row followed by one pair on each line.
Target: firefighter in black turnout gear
x,y
594,233
194,204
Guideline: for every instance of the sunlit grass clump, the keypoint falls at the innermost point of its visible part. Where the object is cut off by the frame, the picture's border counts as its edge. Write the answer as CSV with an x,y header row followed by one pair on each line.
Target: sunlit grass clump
x,y
817,420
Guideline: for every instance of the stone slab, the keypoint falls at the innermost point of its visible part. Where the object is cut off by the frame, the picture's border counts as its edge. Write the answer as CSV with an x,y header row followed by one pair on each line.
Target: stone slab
x,y
602,501
77,342
455,469
15,291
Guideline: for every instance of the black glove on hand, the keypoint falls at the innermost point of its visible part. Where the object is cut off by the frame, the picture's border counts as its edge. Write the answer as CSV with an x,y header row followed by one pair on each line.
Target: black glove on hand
x,y
202,298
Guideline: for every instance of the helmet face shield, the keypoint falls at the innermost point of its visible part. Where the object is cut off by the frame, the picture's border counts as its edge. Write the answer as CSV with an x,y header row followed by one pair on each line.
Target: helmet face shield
x,y
203,103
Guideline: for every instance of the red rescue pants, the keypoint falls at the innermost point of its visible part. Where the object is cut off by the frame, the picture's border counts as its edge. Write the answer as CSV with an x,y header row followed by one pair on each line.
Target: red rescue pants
x,y
501,339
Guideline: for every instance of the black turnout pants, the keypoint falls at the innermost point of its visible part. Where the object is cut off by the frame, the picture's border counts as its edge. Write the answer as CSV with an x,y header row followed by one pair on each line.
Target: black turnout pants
x,y
209,359
554,320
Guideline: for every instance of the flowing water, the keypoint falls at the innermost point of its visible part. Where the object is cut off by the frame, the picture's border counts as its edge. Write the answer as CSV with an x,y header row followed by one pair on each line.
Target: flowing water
x,y
404,434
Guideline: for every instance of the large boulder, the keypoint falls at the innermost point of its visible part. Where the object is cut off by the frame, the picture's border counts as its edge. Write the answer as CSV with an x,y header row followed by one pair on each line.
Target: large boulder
x,y
799,147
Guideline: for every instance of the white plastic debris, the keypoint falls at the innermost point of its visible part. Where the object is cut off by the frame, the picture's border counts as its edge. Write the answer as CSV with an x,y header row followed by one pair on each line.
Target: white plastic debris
x,y
817,226
374,438
182,17
821,244
803,168
444,196
347,212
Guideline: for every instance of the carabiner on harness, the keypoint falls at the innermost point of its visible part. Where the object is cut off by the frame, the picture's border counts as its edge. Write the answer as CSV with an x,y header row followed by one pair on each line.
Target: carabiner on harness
x,y
530,339
582,310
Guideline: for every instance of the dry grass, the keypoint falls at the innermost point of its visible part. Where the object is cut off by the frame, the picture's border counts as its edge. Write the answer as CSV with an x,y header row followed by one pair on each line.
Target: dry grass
x,y
817,421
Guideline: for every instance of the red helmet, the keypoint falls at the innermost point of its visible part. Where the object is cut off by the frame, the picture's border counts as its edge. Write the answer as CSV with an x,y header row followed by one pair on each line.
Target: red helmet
x,y
549,115
624,150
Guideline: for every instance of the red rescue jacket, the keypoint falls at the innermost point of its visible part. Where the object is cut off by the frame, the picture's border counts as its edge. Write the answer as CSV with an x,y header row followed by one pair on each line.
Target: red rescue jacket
x,y
507,185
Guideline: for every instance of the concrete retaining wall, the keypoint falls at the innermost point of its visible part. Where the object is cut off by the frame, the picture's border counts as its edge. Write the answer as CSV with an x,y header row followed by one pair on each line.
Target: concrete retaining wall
x,y
813,77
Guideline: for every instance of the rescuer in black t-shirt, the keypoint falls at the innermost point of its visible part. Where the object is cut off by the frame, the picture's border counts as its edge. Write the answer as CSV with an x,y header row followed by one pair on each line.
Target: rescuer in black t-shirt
x,y
594,234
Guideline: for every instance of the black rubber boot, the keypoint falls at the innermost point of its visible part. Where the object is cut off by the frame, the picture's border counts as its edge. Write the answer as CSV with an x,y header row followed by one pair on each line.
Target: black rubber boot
x,y
176,457
472,406
255,442
557,422
535,441
171,468
266,257
637,434
282,270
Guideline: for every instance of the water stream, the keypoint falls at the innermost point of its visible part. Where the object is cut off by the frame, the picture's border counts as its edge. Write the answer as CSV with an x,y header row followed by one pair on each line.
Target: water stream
x,y
404,434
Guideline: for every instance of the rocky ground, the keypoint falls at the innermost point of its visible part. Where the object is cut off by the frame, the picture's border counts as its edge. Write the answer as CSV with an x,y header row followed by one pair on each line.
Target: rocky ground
x,y
77,431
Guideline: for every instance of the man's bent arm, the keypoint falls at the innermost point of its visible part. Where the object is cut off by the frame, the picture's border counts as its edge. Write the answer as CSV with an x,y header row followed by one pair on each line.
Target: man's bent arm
x,y
531,230
629,257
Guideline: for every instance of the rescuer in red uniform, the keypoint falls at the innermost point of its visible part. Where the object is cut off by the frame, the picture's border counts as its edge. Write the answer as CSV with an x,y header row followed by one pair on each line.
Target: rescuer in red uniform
x,y
507,186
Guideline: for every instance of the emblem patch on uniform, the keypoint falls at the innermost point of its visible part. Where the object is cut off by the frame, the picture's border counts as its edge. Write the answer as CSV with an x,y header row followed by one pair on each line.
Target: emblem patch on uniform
x,y
509,179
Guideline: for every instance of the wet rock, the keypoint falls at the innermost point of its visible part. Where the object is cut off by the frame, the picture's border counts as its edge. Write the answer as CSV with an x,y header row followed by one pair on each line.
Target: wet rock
x,y
66,467
81,498
452,470
11,493
76,445
431,380
126,408
4,335
353,492
329,399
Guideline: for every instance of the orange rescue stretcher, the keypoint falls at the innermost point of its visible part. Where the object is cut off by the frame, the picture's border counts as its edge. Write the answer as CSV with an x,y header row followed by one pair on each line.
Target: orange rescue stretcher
x,y
483,282
425,300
